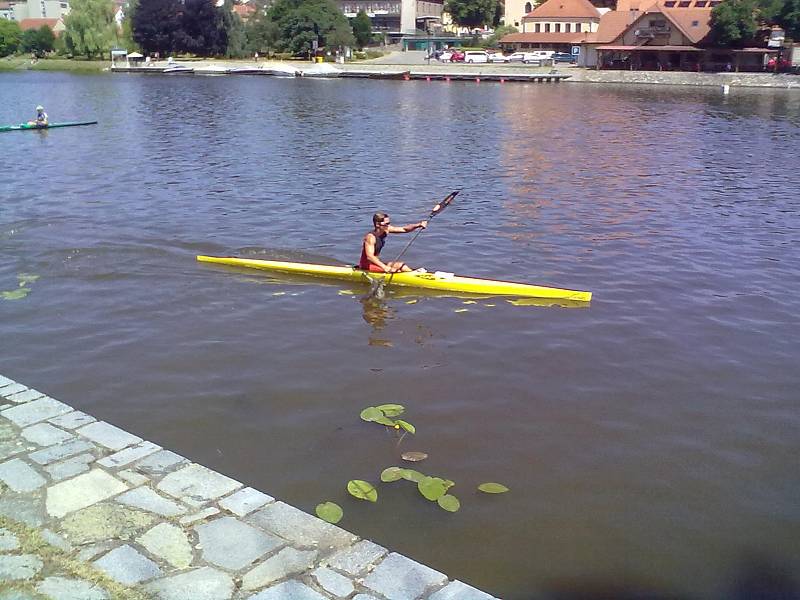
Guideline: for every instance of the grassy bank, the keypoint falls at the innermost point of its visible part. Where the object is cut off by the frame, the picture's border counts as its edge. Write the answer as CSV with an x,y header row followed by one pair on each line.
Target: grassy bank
x,y
78,65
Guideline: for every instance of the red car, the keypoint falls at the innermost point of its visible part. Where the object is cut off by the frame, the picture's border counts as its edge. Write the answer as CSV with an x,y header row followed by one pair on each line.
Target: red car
x,y
458,56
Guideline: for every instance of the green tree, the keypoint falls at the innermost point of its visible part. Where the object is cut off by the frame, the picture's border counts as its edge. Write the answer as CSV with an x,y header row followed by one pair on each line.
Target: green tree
x,y
202,29
734,23
789,18
126,35
156,25
362,29
471,13
90,27
262,33
10,37
235,32
499,33
38,41
301,22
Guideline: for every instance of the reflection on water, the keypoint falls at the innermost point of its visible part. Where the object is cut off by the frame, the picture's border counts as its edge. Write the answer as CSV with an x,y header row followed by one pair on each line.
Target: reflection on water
x,y
650,440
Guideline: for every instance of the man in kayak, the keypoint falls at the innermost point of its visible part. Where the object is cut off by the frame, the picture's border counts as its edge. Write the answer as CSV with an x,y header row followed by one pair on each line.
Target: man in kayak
x,y
374,241
41,117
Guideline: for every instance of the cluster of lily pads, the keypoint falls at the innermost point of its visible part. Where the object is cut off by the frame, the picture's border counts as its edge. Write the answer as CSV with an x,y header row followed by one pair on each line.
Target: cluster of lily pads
x,y
434,489
22,288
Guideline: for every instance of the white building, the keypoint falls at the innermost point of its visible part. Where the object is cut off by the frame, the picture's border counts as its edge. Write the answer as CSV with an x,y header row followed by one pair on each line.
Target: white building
x,y
38,9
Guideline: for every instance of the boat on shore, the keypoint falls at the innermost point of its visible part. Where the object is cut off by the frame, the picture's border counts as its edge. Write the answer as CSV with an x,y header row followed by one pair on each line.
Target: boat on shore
x,y
177,70
447,282
27,127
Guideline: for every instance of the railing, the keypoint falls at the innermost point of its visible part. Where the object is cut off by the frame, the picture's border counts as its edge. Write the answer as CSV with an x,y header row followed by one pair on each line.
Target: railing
x,y
651,32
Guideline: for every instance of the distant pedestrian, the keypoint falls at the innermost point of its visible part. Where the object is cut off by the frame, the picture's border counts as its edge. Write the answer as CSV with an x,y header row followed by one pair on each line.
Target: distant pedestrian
x,y
255,56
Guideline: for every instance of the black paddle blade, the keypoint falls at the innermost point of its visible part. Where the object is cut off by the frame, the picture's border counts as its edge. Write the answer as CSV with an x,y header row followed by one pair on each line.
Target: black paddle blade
x,y
444,203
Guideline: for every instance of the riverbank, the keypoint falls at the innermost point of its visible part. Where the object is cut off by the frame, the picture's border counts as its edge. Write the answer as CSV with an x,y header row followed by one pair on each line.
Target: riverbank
x,y
90,511
576,75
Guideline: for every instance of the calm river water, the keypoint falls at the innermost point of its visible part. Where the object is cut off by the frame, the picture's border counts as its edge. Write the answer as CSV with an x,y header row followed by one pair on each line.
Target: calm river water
x,y
650,440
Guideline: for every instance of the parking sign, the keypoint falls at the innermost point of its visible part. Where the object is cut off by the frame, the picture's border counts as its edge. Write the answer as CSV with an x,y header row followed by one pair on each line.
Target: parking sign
x,y
576,50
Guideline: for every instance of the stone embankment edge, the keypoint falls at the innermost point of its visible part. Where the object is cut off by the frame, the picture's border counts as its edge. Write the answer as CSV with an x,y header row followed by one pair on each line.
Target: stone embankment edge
x,y
89,511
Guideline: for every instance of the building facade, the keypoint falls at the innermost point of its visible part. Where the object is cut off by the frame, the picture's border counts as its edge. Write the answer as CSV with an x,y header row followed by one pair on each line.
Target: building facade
x,y
35,9
397,17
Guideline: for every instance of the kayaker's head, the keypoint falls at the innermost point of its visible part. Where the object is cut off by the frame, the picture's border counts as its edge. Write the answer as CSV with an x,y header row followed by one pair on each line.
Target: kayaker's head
x,y
40,108
381,221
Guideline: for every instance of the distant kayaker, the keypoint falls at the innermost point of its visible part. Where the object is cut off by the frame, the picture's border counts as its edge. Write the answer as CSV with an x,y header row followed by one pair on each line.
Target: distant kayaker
x,y
41,117
374,241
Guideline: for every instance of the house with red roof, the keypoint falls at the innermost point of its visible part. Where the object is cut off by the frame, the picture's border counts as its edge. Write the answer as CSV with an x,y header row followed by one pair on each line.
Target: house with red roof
x,y
57,25
555,25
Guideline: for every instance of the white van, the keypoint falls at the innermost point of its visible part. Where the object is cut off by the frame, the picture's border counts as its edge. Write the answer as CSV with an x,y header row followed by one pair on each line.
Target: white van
x,y
543,54
476,56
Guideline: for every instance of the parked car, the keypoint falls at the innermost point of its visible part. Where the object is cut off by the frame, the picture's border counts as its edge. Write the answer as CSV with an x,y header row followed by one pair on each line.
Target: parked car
x,y
458,56
445,56
563,57
476,56
497,57
528,58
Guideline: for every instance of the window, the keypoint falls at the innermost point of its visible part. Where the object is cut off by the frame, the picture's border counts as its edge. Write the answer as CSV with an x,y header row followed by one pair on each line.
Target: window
x,y
538,28
558,27
669,3
547,27
695,23
684,3
713,3
700,4
568,27
528,7
577,27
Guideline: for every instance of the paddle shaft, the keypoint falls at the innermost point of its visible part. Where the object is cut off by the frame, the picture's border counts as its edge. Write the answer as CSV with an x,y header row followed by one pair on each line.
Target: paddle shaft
x,y
436,210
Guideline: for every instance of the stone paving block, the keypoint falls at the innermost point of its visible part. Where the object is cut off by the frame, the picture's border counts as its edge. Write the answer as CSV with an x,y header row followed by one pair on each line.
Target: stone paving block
x,y
245,501
105,521
286,562
108,435
127,456
364,597
127,566
199,584
169,543
5,406
72,420
288,590
24,396
55,540
146,499
45,434
196,482
24,509
91,551
20,476
35,411
355,559
4,381
298,527
232,545
199,516
457,590
82,491
400,578
9,448
11,389
45,456
133,477
333,583
160,462
70,467
63,588
8,541
16,568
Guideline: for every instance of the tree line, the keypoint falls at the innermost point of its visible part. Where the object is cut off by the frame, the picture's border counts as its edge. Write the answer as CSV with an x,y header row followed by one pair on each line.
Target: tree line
x,y
738,23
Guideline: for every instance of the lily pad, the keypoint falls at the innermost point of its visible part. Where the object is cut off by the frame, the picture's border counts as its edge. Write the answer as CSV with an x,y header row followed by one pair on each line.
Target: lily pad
x,y
17,294
371,414
449,502
26,278
406,425
411,301
363,490
345,292
413,456
391,410
492,488
412,475
386,421
460,310
432,488
392,474
330,512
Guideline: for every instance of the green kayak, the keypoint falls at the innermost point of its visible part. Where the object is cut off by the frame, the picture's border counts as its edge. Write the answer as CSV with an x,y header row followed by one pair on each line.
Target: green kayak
x,y
25,126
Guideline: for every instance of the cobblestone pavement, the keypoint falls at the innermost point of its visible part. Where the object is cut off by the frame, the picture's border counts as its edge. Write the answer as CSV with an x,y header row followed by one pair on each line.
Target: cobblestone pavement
x,y
91,512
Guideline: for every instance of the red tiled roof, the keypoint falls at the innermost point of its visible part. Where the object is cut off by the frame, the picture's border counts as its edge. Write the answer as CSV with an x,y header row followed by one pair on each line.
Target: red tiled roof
x,y
26,24
544,38
564,9
612,25
244,10
694,23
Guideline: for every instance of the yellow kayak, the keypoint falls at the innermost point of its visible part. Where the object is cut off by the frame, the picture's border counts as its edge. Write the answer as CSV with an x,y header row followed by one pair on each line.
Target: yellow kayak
x,y
431,281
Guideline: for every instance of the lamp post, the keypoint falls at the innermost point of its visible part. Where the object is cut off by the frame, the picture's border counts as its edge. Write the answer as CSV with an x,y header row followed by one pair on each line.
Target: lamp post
x,y
428,28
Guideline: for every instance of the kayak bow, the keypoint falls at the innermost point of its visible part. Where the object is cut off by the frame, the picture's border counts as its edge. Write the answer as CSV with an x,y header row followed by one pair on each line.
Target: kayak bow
x,y
432,281
26,127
